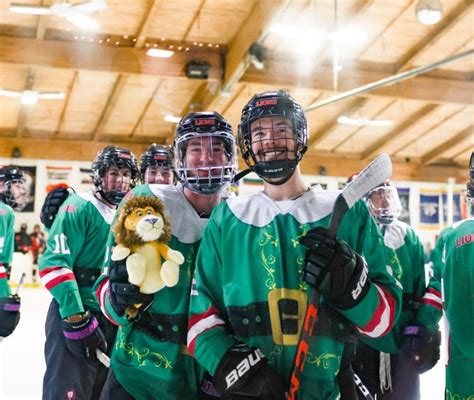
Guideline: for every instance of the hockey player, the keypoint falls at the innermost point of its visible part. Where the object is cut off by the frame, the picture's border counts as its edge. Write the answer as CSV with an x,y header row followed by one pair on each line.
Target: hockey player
x,y
75,327
12,196
150,359
259,257
458,294
390,366
155,165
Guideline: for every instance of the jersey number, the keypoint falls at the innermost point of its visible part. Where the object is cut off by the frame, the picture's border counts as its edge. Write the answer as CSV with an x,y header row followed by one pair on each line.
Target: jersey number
x,y
61,244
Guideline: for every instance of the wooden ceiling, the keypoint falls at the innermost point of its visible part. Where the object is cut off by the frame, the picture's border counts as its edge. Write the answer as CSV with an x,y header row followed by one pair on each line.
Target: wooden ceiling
x,y
115,93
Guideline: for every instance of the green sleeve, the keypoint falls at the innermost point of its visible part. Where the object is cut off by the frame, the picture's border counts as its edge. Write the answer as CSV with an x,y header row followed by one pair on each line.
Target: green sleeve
x,y
65,241
378,311
208,339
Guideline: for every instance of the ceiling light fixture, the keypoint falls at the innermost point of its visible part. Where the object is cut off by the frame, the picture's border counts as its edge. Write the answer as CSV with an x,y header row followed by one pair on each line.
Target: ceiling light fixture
x,y
172,118
159,53
429,12
343,120
29,97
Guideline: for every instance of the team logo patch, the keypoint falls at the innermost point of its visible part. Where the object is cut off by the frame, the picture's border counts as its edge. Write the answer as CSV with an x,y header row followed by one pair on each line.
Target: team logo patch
x,y
207,121
266,102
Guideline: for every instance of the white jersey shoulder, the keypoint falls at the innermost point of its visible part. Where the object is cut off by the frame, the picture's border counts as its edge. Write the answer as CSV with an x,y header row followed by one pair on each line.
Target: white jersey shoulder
x,y
106,212
186,225
259,209
395,234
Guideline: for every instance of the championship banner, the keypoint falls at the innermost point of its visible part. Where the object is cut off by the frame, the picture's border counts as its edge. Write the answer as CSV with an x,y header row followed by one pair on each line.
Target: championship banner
x,y
456,207
57,177
429,209
404,195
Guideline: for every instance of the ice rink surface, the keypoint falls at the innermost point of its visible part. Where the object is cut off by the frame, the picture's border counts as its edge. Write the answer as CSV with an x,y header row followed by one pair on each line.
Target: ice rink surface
x,y
22,361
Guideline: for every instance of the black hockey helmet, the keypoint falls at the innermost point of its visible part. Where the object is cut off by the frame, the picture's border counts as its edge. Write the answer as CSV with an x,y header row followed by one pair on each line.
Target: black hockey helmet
x,y
121,158
273,104
206,126
155,155
12,175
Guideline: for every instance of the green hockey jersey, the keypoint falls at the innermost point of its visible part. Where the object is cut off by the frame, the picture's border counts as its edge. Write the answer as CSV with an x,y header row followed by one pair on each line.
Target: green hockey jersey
x,y
75,252
458,294
431,308
406,257
7,239
248,287
150,358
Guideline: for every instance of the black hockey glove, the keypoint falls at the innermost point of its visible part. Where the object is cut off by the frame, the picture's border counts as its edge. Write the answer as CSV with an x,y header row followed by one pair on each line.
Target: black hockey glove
x,y
51,205
9,314
84,337
244,374
334,269
420,347
124,294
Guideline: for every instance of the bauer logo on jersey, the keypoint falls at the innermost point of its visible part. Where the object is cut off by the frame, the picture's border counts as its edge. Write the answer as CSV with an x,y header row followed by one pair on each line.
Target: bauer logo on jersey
x,y
206,121
267,102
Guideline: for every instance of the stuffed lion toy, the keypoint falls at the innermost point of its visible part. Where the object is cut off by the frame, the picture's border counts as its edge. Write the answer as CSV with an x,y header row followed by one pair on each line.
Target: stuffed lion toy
x,y
141,233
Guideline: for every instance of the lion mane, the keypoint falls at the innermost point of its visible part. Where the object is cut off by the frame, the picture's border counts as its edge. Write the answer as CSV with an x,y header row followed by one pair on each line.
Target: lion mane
x,y
130,239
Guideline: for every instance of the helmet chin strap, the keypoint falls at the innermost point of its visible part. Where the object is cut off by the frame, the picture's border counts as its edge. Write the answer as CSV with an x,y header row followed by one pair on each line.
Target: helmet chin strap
x,y
283,169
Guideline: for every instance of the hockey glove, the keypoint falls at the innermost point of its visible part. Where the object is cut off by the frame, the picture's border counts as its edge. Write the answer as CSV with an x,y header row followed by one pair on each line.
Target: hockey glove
x,y
84,337
421,347
334,269
244,374
124,294
9,314
51,205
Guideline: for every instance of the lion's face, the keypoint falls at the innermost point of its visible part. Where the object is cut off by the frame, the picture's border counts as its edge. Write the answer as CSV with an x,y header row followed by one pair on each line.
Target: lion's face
x,y
145,222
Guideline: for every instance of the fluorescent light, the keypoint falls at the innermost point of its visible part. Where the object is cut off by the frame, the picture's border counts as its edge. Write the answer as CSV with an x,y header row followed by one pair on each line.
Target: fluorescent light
x,y
342,119
429,12
83,22
51,95
29,97
19,9
159,53
9,93
172,118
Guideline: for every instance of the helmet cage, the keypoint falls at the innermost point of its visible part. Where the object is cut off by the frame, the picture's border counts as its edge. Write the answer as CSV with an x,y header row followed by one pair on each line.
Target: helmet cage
x,y
205,179
273,104
384,215
13,176
113,156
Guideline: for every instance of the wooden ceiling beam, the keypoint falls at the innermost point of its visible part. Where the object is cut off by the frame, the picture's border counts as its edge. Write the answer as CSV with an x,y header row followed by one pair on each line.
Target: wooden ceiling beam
x,y
317,137
109,106
281,73
377,147
237,59
432,155
145,109
439,30
94,57
66,103
146,21
431,128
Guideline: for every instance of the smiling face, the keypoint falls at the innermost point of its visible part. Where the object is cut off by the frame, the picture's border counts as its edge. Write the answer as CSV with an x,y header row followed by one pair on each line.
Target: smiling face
x,y
272,139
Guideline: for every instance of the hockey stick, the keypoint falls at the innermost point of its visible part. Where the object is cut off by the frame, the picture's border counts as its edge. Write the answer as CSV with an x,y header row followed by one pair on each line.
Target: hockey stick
x,y
103,358
362,388
371,176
